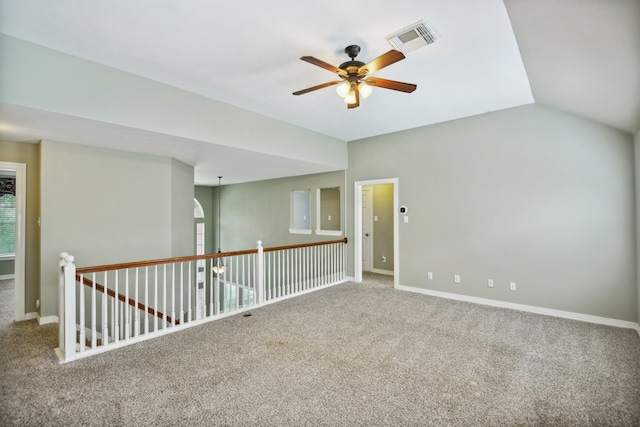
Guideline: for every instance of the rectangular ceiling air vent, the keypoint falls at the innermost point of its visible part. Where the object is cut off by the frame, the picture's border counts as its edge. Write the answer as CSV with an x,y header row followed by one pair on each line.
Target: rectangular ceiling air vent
x,y
413,37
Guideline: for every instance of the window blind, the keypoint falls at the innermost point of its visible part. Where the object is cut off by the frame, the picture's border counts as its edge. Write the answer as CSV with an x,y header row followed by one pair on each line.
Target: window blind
x,y
7,225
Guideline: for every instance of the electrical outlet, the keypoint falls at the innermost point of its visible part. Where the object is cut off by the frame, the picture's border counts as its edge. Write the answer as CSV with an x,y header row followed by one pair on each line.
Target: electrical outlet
x,y
490,283
384,258
430,275
456,278
512,286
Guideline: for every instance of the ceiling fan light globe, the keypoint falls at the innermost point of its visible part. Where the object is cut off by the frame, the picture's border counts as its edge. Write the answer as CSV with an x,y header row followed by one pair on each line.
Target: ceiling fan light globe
x,y
365,90
343,89
350,98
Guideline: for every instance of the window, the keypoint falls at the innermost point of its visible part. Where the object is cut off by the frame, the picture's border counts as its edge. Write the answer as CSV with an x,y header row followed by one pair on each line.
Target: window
x,y
7,217
328,215
198,215
300,212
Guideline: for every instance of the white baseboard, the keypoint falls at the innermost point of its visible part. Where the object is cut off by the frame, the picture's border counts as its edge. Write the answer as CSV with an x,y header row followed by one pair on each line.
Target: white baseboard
x,y
528,308
47,319
378,271
30,316
7,276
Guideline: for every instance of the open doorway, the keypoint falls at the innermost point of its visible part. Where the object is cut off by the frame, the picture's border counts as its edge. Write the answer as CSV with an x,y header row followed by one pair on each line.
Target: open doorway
x,y
370,256
12,231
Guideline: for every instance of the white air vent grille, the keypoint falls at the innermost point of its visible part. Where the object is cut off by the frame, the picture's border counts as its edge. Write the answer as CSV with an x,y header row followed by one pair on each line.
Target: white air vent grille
x,y
413,37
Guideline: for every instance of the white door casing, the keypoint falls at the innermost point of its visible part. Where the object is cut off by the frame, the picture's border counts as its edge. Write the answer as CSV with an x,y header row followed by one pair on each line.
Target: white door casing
x,y
358,186
19,262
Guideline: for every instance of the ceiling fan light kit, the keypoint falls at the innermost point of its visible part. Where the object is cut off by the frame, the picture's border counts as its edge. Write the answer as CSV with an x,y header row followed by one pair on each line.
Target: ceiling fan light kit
x,y
356,83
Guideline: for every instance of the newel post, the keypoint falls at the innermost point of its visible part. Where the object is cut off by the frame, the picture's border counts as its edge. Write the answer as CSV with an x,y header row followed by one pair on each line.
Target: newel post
x,y
67,307
260,274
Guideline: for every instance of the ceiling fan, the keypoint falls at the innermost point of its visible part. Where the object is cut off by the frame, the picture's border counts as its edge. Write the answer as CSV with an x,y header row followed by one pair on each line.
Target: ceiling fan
x,y
355,81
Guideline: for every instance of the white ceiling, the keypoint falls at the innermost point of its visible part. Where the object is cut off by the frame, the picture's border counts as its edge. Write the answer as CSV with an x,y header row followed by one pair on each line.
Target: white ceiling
x,y
581,56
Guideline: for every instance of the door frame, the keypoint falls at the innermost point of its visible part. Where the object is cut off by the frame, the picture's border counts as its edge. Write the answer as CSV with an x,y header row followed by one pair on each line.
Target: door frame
x,y
19,261
357,232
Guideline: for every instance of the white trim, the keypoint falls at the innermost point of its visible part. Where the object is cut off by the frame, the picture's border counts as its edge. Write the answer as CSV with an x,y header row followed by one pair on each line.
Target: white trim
x,y
299,231
19,263
7,257
329,232
47,319
357,231
378,271
528,308
31,316
7,277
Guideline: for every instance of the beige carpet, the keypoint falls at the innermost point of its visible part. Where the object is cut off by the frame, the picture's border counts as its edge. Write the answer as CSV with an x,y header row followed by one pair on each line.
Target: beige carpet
x,y
351,355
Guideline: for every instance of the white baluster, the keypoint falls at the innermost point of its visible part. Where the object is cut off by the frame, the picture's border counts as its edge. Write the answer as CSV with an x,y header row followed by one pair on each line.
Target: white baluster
x,y
164,297
146,300
81,316
114,330
279,278
136,311
94,309
316,268
127,326
296,269
212,310
181,292
173,294
117,314
325,264
244,285
105,322
305,267
216,291
232,262
155,298
189,286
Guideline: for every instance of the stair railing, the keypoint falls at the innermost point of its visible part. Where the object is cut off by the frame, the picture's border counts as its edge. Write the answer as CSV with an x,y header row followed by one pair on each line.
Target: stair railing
x,y
110,306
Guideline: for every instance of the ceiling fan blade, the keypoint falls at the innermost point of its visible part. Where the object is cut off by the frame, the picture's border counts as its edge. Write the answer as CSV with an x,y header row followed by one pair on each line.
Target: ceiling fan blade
x,y
322,64
311,89
390,84
380,62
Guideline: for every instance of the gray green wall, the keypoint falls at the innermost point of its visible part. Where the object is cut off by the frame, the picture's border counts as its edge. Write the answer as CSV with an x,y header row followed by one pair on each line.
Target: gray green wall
x,y
28,154
383,228
106,206
7,268
260,210
530,195
637,170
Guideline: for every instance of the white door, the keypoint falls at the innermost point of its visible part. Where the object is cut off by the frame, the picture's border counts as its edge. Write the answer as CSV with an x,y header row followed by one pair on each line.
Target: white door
x,y
367,238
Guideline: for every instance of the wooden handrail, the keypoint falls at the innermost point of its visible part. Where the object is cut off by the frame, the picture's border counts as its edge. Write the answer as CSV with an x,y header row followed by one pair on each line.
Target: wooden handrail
x,y
111,267
305,245
125,265
100,288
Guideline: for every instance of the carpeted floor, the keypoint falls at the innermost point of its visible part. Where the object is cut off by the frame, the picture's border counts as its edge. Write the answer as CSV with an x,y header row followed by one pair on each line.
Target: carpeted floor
x,y
351,355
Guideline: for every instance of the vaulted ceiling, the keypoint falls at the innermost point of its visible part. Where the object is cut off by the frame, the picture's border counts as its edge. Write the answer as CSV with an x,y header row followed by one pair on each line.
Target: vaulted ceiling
x,y
579,56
